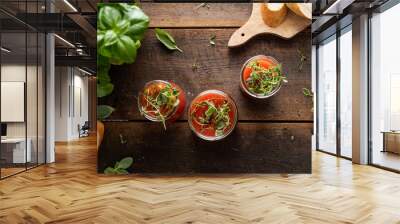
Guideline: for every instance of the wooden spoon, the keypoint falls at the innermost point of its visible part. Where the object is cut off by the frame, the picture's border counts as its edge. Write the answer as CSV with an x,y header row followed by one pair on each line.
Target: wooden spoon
x,y
291,26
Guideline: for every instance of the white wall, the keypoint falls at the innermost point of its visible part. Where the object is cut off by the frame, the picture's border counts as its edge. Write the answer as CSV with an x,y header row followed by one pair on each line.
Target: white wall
x,y
33,127
71,103
12,73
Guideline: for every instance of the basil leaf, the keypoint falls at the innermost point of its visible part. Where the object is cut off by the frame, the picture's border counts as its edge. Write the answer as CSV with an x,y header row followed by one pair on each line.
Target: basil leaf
x,y
119,31
104,111
109,16
121,171
109,170
139,21
125,50
110,38
104,89
125,163
210,111
102,76
165,38
105,51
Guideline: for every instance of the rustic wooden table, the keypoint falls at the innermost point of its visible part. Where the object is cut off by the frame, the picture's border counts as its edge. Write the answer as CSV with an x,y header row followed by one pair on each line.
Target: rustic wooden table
x,y
273,136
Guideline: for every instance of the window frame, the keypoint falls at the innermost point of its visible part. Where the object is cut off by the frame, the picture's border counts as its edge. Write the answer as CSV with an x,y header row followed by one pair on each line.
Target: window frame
x,y
334,37
380,9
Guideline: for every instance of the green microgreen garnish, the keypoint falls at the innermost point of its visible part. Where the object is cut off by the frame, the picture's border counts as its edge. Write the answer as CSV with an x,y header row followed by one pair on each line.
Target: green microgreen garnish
x,y
161,103
308,92
215,117
195,66
262,80
303,58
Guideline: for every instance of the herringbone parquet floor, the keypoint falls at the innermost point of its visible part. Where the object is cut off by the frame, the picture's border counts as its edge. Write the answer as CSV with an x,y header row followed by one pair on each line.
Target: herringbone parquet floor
x,y
70,191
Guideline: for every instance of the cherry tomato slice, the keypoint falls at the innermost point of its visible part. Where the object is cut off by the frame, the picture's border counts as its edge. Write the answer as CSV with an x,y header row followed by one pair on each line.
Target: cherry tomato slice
x,y
265,63
246,73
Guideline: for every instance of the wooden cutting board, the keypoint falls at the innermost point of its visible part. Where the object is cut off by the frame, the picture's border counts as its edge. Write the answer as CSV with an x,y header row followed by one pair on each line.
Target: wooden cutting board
x,y
292,25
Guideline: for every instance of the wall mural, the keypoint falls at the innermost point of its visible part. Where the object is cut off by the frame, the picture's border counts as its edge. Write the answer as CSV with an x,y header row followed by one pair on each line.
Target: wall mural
x,y
204,88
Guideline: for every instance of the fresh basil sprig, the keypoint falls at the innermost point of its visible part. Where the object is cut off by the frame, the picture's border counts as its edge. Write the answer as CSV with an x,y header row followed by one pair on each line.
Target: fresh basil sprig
x,y
120,167
120,28
165,38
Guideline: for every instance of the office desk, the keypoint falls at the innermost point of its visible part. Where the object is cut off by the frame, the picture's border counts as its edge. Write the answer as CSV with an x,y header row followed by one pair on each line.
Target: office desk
x,y
391,142
13,150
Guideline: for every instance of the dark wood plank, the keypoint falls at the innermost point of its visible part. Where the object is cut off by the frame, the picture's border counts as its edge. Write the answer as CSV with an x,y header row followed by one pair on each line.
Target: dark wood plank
x,y
251,148
219,68
192,15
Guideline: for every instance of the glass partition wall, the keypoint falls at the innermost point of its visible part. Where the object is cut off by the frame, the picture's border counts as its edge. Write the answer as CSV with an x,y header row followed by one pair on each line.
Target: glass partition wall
x,y
345,91
22,77
334,93
385,90
326,95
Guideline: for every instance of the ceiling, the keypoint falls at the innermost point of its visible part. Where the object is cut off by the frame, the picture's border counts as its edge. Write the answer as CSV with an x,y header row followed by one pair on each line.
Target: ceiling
x,y
75,21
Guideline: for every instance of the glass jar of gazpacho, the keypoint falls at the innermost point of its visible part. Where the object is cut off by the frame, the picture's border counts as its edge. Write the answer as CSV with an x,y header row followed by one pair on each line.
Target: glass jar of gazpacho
x,y
212,115
261,77
162,101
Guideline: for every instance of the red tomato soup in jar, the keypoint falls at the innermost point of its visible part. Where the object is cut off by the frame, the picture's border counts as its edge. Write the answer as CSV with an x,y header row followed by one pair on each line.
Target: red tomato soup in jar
x,y
212,115
162,101
261,77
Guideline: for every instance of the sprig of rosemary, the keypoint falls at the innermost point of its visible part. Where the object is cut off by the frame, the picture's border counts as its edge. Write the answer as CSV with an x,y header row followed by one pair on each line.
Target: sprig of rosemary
x,y
216,117
303,58
165,100
308,92
264,80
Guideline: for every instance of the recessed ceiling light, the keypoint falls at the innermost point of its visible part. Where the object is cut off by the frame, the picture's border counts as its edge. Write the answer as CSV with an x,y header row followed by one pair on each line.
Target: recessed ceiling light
x,y
84,71
64,40
70,5
337,7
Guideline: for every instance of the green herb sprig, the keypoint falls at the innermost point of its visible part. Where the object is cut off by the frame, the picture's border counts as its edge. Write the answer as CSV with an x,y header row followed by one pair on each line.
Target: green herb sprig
x,y
262,80
120,28
214,117
120,167
166,38
307,92
166,100
303,58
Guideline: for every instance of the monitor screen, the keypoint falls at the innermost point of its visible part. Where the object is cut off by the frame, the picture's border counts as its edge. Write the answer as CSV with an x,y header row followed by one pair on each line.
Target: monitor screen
x,y
3,129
